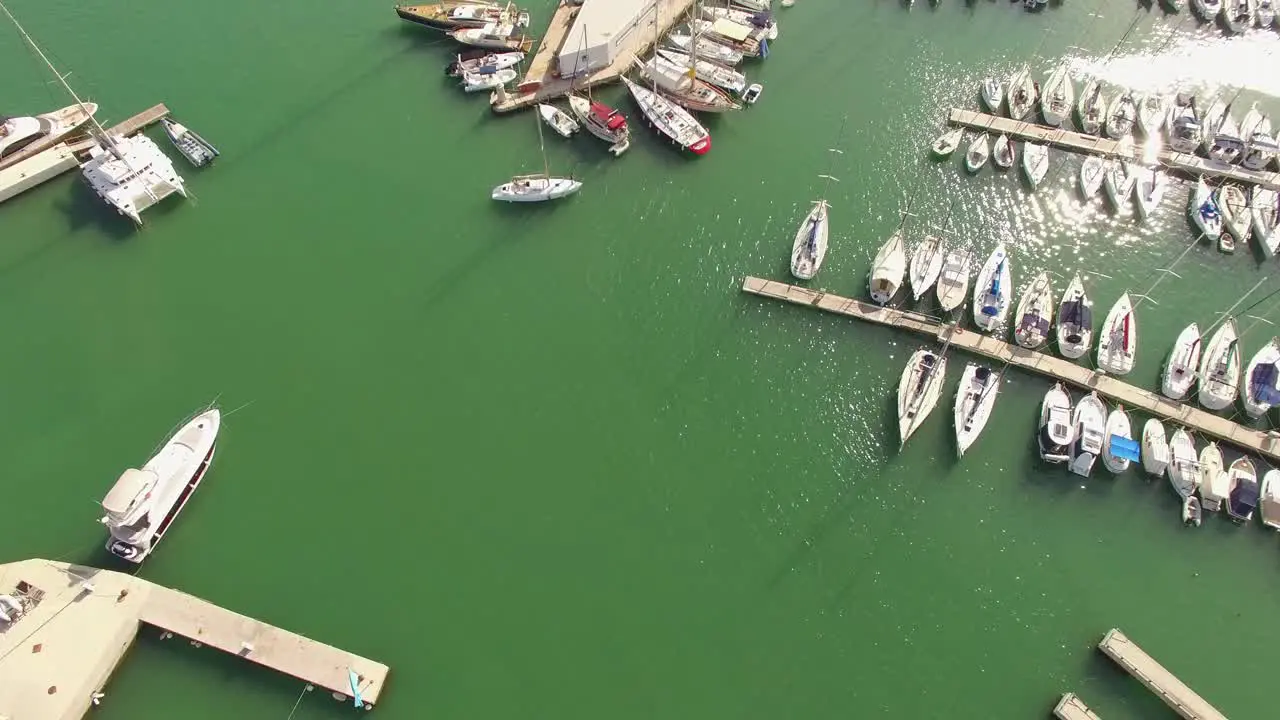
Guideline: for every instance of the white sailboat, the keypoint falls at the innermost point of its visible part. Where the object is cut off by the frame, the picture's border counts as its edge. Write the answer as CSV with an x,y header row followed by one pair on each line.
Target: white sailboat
x,y
23,137
141,505
1260,147
1092,108
1227,145
1056,429
947,142
1092,172
918,390
1022,95
889,266
1149,190
810,244
1184,362
1075,320
1237,15
1090,421
926,265
1264,212
1155,448
1207,9
1034,317
1035,162
1183,132
1002,152
992,94
1242,490
1220,367
1202,207
672,121
1212,122
706,49
537,187
1119,448
1119,182
488,78
1269,499
1233,205
1118,341
974,400
991,291
1184,470
1262,381
1121,116
1153,109
1211,481
1058,96
719,75
979,150
953,281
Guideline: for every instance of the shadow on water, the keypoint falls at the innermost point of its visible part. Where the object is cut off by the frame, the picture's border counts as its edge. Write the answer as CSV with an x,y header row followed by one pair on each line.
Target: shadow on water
x,y
82,208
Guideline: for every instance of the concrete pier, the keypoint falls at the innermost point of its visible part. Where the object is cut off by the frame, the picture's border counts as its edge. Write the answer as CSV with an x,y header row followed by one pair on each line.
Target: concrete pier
x,y
1158,680
1071,707
1133,398
78,622
1186,163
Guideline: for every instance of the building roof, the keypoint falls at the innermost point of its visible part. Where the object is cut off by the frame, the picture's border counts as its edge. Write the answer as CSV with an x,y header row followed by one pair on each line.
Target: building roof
x,y
599,20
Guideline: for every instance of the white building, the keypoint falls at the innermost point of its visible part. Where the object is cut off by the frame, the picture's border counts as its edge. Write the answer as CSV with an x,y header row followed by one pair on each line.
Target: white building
x,y
600,30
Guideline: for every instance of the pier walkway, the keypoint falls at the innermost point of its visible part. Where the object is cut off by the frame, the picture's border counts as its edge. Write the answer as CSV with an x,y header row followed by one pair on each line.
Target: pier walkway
x,y
1071,707
1158,680
542,80
1032,360
1187,163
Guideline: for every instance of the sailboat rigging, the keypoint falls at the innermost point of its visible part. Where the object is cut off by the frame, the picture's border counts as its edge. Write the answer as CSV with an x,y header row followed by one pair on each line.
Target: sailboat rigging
x,y
537,187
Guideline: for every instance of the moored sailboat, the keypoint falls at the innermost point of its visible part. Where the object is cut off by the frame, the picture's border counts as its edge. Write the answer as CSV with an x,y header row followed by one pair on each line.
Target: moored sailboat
x,y
1269,499
672,121
1093,171
1220,368
889,266
1058,96
1118,341
1153,109
538,187
953,280
810,244
918,390
1075,320
1121,115
1203,210
991,291
1035,162
974,400
926,265
1184,361
1092,108
1211,482
1002,152
602,121
1022,95
1034,317
1262,381
1242,490
725,78
27,136
1183,131
976,156
684,87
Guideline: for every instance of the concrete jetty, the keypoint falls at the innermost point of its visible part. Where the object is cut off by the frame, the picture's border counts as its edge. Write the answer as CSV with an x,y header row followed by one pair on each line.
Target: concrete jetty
x,y
1035,361
1158,680
76,623
1071,707
1185,163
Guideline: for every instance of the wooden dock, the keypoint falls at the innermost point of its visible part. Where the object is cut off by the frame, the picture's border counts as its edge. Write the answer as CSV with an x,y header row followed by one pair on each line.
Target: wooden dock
x,y
1131,397
130,126
1185,163
1158,680
1071,707
542,81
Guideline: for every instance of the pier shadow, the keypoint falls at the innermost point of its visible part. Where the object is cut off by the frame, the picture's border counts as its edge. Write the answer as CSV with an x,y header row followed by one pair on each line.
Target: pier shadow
x,y
1109,680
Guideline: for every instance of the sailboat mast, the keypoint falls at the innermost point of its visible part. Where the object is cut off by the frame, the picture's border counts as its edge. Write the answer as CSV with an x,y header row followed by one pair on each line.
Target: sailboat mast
x,y
546,166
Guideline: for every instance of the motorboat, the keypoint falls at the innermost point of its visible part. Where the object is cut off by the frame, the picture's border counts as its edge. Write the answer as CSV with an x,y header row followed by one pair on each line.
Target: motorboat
x,y
1207,9
1203,210
504,36
947,142
1118,341
131,174
1122,114
1119,182
974,400
27,136
1075,320
1262,381
453,15
1237,15
1269,499
1153,110
1212,121
1183,470
992,94
1119,449
1228,146
1092,171
1260,148
1092,108
1149,190
475,61
926,265
487,79
1191,511
1022,95
953,281
976,156
725,78
1055,435
1034,316
1220,368
1234,206
1242,490
558,120
1155,448
1211,480
991,291
1183,364
762,20
198,151
706,49
1090,422
1035,162
918,390
602,121
672,121
1264,215
142,504
1002,152
810,245
1058,96
686,88
752,93
1183,131
888,267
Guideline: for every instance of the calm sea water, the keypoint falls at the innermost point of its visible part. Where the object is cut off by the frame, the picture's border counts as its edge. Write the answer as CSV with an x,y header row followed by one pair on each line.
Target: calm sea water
x,y
549,461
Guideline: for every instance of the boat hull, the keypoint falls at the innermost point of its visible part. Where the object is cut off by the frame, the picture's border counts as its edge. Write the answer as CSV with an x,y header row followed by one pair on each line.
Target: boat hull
x,y
137,552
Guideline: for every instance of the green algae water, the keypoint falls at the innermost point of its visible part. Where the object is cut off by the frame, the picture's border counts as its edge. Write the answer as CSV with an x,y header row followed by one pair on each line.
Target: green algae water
x,y
550,461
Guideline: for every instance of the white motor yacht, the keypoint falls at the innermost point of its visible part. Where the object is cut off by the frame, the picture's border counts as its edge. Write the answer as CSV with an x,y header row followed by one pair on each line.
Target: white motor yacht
x,y
1155,448
1119,448
1090,422
26,136
1184,469
1055,434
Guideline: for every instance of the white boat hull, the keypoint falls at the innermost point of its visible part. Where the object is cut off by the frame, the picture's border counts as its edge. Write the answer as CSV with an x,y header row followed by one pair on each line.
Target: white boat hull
x,y
974,400
809,247
1155,448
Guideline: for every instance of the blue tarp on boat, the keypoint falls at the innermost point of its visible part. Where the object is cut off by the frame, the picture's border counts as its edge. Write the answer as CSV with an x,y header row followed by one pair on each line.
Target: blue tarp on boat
x,y
1123,447
1263,383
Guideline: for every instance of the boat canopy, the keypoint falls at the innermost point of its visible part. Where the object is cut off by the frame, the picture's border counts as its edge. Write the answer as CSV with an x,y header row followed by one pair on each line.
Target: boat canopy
x,y
1246,494
1264,384
1127,448
1034,321
730,29
122,495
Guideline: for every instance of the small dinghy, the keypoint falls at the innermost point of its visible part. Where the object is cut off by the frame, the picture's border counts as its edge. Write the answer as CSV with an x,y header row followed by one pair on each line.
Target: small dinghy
x,y
198,151
1184,361
752,93
1035,313
1119,449
1059,96
1264,216
947,142
1121,116
1155,448
1092,171
1075,320
1242,490
1226,243
1183,470
974,400
1234,207
991,291
888,268
558,120
1269,502
1022,95
1055,434
1220,368
992,94
1118,341
1262,381
918,390
1092,108
1211,480
810,245
953,281
1002,152
1191,511
976,156
1119,182
1090,421
926,265
1203,210
1153,109
1035,162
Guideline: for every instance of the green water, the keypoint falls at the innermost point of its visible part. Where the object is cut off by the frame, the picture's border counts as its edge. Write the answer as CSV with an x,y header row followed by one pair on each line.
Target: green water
x,y
549,461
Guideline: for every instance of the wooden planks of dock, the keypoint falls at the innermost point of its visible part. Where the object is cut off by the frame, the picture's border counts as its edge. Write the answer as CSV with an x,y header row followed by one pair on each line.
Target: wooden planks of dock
x,y
1156,678
130,126
1031,360
1079,142
1071,707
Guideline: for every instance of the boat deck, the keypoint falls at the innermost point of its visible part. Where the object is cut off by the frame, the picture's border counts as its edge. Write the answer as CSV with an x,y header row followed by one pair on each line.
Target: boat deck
x,y
1185,163
1158,680
1002,352
1071,707
542,82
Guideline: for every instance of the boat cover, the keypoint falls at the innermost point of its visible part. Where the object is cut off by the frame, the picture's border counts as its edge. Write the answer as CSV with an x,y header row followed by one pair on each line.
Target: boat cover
x,y
1263,382
731,29
121,496
1127,448
1034,321
1245,495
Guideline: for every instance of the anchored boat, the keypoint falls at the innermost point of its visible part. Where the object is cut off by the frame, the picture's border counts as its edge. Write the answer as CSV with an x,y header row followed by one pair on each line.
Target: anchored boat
x,y
198,151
